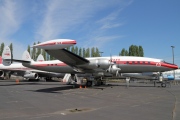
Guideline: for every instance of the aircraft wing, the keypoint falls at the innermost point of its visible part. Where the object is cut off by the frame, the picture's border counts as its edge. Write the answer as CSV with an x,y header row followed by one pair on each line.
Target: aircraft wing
x,y
67,57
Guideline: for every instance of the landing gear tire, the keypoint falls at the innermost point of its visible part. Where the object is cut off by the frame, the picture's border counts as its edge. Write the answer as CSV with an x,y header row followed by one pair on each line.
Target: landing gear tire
x,y
48,78
89,83
163,84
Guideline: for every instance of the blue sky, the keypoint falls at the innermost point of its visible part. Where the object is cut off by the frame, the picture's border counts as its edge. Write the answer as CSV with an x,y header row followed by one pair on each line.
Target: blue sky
x,y
109,25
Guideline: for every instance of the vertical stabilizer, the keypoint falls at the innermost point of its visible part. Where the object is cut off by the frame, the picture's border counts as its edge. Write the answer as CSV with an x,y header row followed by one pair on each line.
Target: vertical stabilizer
x,y
6,56
26,56
40,58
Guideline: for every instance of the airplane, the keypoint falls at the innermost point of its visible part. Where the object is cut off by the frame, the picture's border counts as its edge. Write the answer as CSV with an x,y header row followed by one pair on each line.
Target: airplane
x,y
69,62
18,69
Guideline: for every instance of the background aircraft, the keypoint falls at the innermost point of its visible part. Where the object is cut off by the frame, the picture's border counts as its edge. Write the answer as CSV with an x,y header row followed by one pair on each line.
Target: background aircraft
x,y
19,70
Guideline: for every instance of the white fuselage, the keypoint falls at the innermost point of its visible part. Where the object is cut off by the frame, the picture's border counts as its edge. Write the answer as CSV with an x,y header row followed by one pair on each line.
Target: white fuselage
x,y
125,63
21,70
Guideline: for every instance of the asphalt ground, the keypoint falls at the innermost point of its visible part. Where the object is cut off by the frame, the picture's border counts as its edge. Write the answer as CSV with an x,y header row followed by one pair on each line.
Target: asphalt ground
x,y
114,101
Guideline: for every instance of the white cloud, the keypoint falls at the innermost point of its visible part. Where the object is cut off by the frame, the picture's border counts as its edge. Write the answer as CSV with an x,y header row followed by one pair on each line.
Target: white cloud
x,y
65,16
53,18
111,20
11,17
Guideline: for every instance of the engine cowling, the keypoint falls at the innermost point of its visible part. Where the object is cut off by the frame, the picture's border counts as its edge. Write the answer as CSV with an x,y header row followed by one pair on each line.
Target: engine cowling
x,y
113,69
99,63
31,76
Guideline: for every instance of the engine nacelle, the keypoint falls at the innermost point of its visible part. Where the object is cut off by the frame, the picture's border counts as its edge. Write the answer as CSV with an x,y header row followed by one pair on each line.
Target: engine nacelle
x,y
99,63
113,69
31,76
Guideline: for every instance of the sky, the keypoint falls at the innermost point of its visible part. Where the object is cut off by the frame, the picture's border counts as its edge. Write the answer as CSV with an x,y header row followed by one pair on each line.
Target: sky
x,y
109,25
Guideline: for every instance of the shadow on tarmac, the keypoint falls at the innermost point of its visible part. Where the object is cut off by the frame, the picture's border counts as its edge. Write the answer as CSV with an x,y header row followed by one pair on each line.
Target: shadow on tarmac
x,y
55,89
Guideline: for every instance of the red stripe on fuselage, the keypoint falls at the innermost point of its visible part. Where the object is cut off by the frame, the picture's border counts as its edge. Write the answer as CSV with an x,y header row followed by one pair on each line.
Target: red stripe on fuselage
x,y
169,65
69,42
148,63
54,43
53,64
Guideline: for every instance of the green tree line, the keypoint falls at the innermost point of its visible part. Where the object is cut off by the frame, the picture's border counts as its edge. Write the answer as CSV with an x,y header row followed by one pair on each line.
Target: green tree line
x,y
134,50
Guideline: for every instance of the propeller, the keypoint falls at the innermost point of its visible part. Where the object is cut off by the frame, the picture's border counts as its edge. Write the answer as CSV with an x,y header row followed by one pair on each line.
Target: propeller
x,y
113,67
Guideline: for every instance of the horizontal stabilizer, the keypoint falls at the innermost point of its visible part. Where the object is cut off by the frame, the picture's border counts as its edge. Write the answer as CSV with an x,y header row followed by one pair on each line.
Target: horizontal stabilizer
x,y
55,44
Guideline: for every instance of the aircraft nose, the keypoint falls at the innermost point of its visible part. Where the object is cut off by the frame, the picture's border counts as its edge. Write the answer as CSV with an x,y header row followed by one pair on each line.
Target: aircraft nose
x,y
175,66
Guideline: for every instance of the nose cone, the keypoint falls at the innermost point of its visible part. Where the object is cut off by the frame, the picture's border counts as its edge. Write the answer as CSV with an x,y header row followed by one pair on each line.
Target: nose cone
x,y
172,66
175,66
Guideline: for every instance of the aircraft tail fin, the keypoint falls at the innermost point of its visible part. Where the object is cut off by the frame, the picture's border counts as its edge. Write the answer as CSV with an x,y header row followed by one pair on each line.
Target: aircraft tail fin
x,y
40,58
26,57
6,56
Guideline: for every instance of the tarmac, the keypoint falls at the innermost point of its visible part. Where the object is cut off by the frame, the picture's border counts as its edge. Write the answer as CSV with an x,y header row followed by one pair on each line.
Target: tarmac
x,y
114,101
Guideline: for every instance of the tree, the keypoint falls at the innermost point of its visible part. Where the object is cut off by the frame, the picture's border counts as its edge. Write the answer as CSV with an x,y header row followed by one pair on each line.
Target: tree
x,y
38,52
2,48
76,50
122,52
52,58
92,52
11,47
132,50
68,48
87,52
141,51
126,53
84,52
80,52
137,50
29,49
34,52
97,53
72,49
44,54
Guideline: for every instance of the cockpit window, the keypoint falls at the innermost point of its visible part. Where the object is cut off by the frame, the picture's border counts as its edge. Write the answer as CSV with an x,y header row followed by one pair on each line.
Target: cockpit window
x,y
167,62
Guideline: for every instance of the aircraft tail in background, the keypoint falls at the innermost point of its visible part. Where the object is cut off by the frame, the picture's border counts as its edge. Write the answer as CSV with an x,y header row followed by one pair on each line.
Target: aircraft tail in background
x,y
6,56
40,58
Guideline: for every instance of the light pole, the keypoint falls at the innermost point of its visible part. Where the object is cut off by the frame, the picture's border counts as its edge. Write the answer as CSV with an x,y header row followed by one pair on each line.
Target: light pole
x,y
173,58
173,53
101,53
